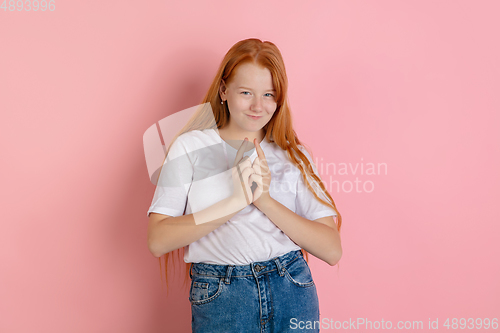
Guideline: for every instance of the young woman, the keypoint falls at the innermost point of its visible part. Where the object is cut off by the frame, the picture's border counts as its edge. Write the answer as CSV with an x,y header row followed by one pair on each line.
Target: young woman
x,y
240,196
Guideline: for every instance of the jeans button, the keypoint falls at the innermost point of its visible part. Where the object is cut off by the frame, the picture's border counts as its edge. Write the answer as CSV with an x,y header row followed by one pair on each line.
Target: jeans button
x,y
258,268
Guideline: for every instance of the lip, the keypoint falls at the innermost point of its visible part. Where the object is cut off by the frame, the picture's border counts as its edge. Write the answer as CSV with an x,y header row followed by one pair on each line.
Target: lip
x,y
254,117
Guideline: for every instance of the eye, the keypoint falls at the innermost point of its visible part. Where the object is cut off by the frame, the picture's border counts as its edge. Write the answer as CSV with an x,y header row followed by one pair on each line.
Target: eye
x,y
270,94
244,92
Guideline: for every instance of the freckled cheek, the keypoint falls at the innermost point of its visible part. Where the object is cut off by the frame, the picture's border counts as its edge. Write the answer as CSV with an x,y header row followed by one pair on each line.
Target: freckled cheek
x,y
270,109
241,104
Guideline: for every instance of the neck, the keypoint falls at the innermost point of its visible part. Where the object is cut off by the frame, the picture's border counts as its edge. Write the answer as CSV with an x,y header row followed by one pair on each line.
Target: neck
x,y
227,134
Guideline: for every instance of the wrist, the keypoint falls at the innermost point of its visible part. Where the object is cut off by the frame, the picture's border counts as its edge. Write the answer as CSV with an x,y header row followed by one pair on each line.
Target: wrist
x,y
264,202
234,205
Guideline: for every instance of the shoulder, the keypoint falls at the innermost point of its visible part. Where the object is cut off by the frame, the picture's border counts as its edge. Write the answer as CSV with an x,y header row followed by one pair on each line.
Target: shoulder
x,y
196,139
281,154
271,149
195,135
192,141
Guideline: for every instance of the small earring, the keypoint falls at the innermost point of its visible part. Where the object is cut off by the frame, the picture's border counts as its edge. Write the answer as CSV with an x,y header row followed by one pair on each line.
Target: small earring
x,y
221,102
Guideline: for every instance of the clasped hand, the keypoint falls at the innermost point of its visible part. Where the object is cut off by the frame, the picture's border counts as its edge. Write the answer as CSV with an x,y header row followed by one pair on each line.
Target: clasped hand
x,y
244,173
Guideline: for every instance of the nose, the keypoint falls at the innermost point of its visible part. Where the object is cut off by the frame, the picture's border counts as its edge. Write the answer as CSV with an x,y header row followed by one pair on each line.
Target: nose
x,y
257,105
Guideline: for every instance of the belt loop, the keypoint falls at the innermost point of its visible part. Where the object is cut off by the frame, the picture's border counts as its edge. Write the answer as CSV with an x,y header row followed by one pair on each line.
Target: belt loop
x,y
281,269
228,274
190,274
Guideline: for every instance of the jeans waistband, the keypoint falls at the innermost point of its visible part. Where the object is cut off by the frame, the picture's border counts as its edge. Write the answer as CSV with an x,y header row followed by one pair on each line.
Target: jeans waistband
x,y
252,269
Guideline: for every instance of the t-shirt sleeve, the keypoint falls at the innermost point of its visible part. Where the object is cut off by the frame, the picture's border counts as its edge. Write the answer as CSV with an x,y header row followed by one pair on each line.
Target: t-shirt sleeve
x,y
306,203
170,197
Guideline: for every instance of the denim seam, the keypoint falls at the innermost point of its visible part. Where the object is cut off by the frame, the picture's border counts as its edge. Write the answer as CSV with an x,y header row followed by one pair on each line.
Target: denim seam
x,y
232,275
261,272
297,283
211,297
272,303
227,278
281,269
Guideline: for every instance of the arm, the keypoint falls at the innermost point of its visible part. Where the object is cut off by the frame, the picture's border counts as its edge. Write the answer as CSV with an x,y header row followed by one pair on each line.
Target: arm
x,y
166,234
320,237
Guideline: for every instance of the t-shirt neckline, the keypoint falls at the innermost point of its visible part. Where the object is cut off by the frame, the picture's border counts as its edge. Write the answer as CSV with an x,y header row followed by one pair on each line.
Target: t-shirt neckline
x,y
263,143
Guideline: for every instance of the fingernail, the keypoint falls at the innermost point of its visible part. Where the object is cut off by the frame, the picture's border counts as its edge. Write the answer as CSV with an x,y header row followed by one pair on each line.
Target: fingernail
x,y
246,139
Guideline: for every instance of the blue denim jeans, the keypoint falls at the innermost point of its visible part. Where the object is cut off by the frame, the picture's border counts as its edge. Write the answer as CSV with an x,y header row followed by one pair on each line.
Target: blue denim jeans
x,y
265,296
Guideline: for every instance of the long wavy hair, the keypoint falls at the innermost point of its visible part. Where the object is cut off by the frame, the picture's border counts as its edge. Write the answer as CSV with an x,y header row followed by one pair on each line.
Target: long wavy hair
x,y
278,130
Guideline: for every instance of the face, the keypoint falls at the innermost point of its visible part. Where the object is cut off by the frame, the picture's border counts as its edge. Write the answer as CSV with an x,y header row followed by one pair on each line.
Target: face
x,y
249,93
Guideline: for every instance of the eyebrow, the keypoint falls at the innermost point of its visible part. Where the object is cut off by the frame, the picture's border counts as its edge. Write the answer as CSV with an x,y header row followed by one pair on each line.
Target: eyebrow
x,y
251,89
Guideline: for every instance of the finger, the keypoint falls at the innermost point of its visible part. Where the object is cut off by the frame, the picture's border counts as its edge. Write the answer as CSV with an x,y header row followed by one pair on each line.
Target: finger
x,y
260,152
259,181
261,155
256,166
244,175
245,163
261,167
264,169
238,169
240,152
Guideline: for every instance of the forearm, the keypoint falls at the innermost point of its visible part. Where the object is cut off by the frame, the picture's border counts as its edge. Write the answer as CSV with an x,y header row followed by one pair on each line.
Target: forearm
x,y
316,238
175,232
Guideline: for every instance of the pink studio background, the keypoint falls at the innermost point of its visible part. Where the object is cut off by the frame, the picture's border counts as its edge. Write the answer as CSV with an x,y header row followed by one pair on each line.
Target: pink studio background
x,y
413,85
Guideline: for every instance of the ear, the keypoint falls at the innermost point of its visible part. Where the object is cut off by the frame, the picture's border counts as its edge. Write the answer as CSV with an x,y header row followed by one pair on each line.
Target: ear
x,y
222,88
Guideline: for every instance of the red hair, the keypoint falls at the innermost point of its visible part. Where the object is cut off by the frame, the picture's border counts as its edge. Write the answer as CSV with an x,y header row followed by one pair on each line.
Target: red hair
x,y
279,129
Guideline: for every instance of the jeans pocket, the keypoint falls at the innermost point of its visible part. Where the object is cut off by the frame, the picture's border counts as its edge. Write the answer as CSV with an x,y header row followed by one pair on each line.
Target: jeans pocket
x,y
298,273
205,289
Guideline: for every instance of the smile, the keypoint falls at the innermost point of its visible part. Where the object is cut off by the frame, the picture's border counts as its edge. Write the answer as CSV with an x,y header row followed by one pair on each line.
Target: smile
x,y
254,117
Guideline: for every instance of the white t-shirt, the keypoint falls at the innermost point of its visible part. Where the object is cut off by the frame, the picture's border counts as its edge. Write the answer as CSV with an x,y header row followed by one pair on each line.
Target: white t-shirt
x,y
196,175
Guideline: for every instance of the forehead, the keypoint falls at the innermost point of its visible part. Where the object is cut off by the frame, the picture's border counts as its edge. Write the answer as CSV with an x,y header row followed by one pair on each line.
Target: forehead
x,y
250,75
